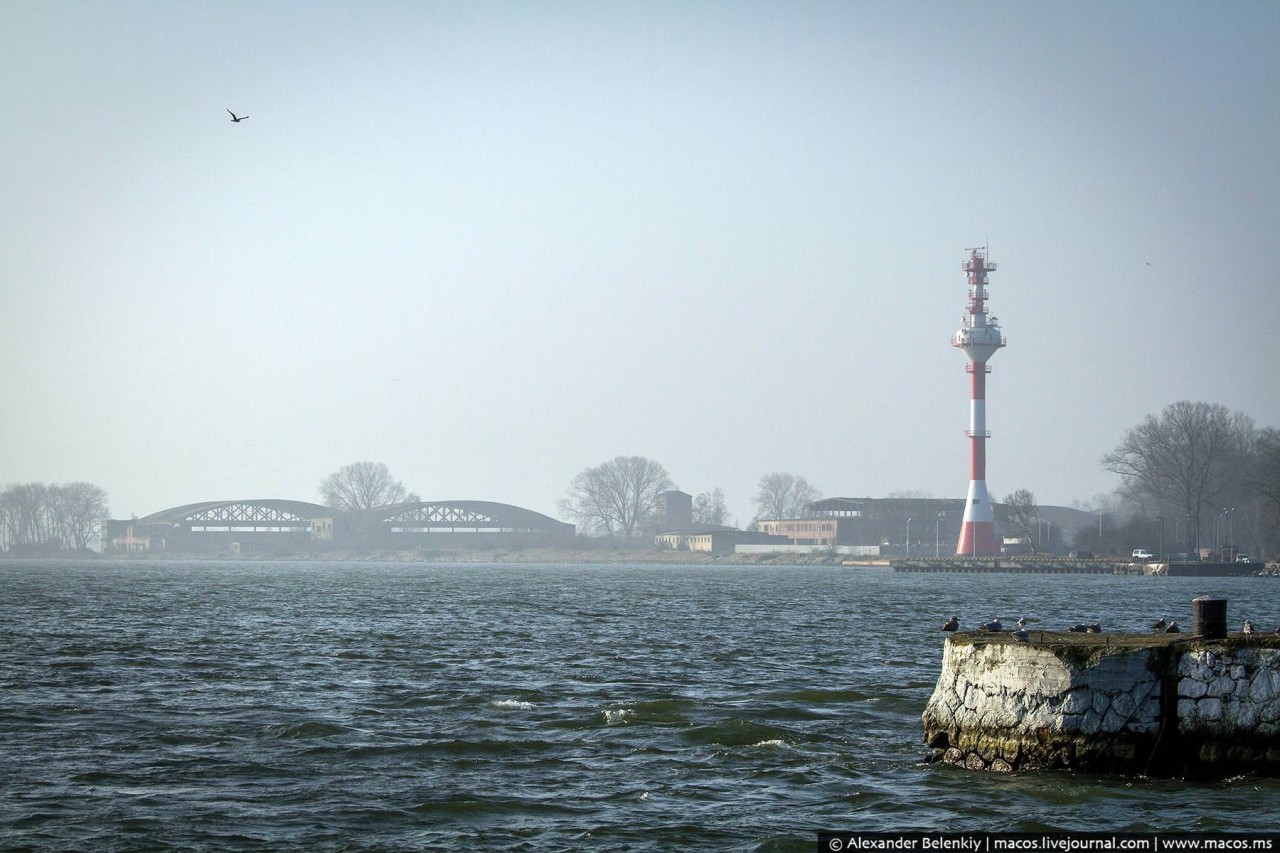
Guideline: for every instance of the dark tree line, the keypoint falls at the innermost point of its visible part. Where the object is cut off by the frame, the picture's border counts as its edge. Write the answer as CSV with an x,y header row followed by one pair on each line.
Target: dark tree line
x,y
44,517
1207,476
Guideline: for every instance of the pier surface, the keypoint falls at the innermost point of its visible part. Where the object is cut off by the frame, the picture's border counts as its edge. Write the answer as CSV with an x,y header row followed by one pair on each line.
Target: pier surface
x,y
1045,564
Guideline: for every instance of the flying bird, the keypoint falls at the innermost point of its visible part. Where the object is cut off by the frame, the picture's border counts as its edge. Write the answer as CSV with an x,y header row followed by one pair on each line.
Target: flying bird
x,y
952,624
235,117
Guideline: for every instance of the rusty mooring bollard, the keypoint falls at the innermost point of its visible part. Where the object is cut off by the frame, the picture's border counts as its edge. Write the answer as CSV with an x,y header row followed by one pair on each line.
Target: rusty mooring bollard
x,y
1209,617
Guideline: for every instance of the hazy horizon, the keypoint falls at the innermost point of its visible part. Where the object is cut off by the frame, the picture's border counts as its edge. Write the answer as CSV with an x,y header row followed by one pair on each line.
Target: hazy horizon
x,y
493,244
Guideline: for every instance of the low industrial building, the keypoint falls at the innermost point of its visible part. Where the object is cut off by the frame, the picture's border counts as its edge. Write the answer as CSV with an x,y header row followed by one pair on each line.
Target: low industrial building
x,y
714,540
803,531
931,526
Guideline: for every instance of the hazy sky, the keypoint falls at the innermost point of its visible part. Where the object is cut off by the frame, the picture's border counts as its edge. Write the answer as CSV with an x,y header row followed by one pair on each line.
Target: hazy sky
x,y
493,244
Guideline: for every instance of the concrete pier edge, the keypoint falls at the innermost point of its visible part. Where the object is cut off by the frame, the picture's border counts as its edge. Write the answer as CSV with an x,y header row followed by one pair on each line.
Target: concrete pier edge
x,y
1173,705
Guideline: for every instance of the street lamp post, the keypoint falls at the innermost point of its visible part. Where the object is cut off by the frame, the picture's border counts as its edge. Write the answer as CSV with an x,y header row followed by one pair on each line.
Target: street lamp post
x,y
1226,538
1044,530
908,538
1220,532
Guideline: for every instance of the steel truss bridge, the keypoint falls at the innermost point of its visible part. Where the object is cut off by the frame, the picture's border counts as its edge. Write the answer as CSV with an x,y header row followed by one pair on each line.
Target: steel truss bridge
x,y
464,517
298,524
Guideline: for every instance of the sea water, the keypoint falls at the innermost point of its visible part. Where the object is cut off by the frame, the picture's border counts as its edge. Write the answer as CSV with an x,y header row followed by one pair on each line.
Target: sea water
x,y
357,706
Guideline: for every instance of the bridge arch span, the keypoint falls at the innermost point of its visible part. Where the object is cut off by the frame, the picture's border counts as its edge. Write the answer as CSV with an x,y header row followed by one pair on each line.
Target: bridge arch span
x,y
462,521
243,514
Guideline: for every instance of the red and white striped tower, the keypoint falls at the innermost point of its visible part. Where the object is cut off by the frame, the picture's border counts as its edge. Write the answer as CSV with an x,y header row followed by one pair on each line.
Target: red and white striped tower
x,y
978,338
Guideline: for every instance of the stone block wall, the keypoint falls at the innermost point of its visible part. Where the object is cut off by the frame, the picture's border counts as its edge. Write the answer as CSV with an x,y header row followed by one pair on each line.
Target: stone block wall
x,y
1108,703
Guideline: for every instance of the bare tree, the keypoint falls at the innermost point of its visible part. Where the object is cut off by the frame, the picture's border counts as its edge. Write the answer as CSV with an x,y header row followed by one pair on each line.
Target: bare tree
x,y
709,509
362,485
1189,461
82,507
1021,513
617,497
784,495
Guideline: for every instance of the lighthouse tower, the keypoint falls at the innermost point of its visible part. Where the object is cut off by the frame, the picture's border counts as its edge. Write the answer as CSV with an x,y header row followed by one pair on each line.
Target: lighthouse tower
x,y
979,338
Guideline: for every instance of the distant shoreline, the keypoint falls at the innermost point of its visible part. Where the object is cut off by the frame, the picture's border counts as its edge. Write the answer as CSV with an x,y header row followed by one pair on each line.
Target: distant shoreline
x,y
604,556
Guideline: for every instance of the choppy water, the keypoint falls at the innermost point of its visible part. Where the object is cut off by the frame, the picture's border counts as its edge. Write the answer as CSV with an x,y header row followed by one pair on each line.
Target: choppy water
x,y
248,706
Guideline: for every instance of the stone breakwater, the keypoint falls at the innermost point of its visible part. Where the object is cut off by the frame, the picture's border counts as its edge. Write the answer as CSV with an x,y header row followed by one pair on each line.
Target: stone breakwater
x,y
1160,704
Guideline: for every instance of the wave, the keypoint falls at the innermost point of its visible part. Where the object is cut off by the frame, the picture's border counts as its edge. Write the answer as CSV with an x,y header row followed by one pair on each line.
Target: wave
x,y
776,743
512,704
617,716
302,730
737,732
821,696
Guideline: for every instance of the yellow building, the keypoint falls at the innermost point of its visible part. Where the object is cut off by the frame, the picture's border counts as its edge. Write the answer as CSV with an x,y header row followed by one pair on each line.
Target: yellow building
x,y
803,531
714,541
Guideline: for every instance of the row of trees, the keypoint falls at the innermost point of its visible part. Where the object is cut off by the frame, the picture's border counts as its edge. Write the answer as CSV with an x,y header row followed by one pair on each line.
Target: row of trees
x,y
39,517
616,499
1194,478
1207,473
1203,474
619,498
1197,474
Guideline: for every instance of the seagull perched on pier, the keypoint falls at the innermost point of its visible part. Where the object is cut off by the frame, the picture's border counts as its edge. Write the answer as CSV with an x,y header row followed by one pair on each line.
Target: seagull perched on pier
x,y
1022,623
235,117
993,626
1248,628
1095,628
952,624
1020,635
1158,625
1078,629
1173,628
